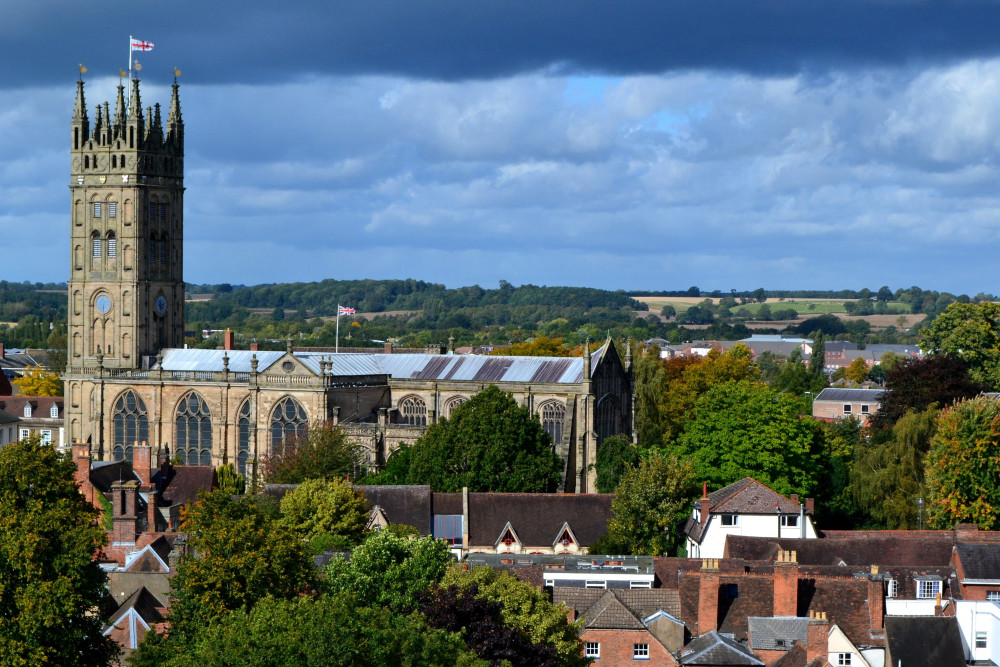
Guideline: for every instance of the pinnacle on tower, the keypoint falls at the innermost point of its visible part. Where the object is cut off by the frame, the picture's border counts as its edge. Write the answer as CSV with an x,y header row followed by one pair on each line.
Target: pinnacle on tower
x,y
80,109
119,126
81,124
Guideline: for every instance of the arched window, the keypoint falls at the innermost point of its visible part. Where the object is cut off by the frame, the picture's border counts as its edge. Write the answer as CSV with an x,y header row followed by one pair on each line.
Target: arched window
x,y
449,407
243,455
413,411
553,415
607,418
152,250
95,241
288,421
131,425
54,411
112,245
194,431
114,161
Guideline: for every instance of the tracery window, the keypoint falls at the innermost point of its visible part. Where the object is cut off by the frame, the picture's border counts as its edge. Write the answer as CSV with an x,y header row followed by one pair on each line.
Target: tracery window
x,y
243,455
452,404
553,414
288,422
194,431
130,425
607,418
413,411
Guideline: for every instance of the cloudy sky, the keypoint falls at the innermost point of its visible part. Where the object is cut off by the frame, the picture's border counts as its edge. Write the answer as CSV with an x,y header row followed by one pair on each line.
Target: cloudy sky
x,y
629,144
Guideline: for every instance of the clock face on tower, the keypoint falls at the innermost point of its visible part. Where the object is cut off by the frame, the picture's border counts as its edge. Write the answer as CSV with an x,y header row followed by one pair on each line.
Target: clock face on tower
x,y
161,305
103,304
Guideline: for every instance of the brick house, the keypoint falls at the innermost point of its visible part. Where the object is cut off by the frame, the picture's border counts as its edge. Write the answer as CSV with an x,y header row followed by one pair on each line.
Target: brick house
x,y
836,403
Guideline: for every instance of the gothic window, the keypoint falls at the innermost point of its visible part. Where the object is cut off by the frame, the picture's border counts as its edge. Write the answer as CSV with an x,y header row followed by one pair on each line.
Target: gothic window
x,y
152,251
413,411
163,212
97,209
152,211
86,162
288,422
194,431
243,455
130,424
112,245
606,422
163,250
553,414
95,239
449,407
121,161
114,161
112,209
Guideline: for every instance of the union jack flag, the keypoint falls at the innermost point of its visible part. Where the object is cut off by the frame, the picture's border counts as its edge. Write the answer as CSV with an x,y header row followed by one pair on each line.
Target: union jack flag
x,y
344,310
141,45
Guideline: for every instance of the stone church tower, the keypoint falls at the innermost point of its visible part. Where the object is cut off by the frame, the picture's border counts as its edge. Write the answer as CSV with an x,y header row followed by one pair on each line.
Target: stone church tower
x,y
126,288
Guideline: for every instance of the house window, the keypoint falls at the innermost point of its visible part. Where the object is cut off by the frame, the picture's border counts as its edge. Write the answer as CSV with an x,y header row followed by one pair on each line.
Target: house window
x,y
596,584
789,520
448,527
892,588
113,209
980,640
27,409
843,659
640,584
640,651
730,519
46,437
864,409
927,588
592,650
54,412
97,209
25,433
847,408
993,596
731,591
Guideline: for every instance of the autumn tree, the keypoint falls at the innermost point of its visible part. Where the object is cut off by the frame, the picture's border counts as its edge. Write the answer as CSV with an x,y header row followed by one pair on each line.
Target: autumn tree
x,y
963,478
327,513
51,589
746,429
36,381
650,503
971,332
323,453
490,443
915,384
542,346
857,371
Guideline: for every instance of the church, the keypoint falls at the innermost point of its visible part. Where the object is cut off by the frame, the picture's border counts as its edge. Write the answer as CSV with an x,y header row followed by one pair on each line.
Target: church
x,y
129,379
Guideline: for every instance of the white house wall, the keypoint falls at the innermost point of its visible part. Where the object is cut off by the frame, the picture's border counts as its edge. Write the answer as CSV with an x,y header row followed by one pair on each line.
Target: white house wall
x,y
976,616
755,525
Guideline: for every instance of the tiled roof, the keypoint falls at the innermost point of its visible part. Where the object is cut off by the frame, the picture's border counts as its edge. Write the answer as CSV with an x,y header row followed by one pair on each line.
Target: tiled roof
x,y
748,496
538,517
883,548
41,406
777,632
642,602
608,613
409,505
144,603
713,648
7,418
850,395
979,560
179,485
924,640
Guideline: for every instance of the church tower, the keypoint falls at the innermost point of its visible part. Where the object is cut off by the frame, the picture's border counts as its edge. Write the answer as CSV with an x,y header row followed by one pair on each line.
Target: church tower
x,y
126,291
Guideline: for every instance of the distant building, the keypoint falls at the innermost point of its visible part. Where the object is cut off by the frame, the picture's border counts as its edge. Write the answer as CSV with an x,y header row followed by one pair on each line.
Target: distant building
x,y
833,404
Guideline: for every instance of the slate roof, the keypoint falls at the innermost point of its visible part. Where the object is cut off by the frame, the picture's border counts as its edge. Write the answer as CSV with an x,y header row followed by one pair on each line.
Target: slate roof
x,y
643,602
850,395
144,603
41,406
798,657
915,641
7,418
979,560
538,517
179,485
409,505
884,548
713,648
777,633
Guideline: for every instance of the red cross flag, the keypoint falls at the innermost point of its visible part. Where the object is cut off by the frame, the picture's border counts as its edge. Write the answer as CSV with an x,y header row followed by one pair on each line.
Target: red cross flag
x,y
141,45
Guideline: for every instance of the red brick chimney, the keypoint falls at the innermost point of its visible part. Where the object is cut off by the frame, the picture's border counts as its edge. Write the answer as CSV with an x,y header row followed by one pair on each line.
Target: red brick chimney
x,y
388,347
817,636
810,505
706,505
254,347
229,340
708,596
142,456
876,600
786,584
125,523
3,351
81,456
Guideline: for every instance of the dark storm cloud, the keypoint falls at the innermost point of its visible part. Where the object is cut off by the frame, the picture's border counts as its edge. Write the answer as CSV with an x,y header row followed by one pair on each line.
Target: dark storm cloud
x,y
257,41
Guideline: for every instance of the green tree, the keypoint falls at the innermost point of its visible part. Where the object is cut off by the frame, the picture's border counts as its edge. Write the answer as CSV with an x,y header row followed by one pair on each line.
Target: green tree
x,y
650,503
650,384
389,571
971,332
887,477
230,481
241,554
745,429
332,630
760,295
963,478
490,443
817,361
916,384
668,311
329,514
51,589
323,453
614,457
525,607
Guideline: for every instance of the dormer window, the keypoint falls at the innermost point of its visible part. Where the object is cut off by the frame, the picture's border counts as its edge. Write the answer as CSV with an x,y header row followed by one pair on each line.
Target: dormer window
x,y
891,588
27,409
54,411
928,588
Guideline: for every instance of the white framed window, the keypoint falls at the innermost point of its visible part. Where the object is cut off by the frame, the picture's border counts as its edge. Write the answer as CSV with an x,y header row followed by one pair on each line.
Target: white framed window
x,y
25,433
789,520
27,410
864,408
97,209
46,437
112,209
640,584
640,651
847,408
891,588
730,519
981,639
993,596
54,411
592,650
596,584
928,588
844,659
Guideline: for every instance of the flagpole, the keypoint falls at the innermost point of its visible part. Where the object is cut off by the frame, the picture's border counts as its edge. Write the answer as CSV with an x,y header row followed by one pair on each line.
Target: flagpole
x,y
128,92
336,349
